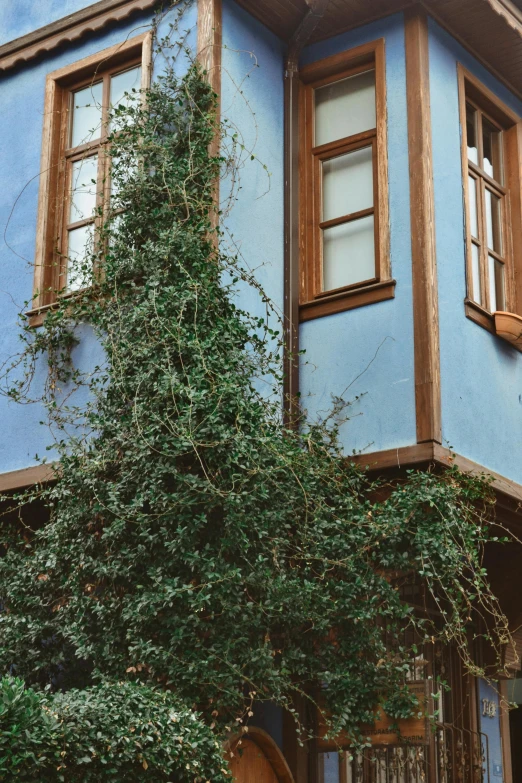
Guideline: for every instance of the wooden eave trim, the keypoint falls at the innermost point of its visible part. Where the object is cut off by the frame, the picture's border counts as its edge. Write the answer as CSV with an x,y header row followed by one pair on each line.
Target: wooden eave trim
x,y
423,454
508,11
437,17
68,29
422,216
18,479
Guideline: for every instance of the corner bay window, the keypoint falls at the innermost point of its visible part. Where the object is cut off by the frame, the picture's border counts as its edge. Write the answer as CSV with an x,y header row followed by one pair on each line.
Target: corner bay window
x,y
491,157
343,191
75,175
487,209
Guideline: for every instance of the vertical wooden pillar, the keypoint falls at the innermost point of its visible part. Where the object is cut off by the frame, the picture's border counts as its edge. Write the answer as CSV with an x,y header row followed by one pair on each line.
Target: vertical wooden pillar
x,y
210,14
422,210
291,274
297,756
210,39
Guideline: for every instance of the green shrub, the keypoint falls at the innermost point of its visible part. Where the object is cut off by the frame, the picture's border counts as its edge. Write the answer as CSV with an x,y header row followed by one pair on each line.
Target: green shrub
x,y
123,732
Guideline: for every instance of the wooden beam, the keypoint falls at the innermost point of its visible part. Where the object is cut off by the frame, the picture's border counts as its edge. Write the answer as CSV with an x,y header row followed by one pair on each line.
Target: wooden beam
x,y
423,454
210,26
18,479
209,48
68,29
422,212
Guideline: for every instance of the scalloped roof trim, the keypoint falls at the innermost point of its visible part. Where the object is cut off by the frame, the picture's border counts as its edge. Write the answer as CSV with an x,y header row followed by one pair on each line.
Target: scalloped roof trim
x,y
69,28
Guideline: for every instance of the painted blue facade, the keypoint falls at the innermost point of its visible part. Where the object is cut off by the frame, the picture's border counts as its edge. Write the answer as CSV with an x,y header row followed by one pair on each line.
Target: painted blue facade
x,y
481,375
252,105
22,438
366,354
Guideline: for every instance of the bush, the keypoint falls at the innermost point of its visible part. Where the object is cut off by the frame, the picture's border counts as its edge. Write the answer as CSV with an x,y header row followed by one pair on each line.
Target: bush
x,y
123,732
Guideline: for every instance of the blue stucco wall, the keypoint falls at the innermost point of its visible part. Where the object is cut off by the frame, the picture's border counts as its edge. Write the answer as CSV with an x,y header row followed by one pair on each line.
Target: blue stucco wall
x,y
252,106
367,353
490,728
22,437
481,375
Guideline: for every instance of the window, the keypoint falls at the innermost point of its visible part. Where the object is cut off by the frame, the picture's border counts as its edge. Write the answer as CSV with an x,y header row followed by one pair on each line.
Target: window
x,y
74,174
490,164
343,183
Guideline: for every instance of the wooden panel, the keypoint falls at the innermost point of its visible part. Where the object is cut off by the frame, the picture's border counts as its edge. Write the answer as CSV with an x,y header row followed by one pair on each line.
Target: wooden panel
x,y
424,262
67,29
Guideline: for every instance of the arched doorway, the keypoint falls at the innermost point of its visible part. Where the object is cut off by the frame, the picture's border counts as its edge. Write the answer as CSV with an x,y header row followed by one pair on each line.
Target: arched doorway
x,y
255,758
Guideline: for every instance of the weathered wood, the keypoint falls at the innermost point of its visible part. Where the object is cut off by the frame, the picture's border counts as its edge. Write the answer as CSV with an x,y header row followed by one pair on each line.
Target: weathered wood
x,y
422,213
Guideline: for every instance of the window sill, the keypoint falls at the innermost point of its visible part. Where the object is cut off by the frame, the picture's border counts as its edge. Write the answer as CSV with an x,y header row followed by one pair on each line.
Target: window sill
x,y
37,315
478,314
347,300
487,320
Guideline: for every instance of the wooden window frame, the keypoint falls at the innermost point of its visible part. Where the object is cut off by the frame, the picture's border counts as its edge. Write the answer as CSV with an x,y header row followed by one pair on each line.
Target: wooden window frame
x,y
474,93
54,195
314,302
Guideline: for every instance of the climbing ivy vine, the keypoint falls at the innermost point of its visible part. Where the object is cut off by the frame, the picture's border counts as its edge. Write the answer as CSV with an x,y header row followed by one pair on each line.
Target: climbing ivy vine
x,y
195,546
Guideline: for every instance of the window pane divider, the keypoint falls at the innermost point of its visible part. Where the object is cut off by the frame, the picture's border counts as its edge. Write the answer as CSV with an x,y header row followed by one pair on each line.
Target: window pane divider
x,y
481,174
84,150
347,218
80,223
346,143
496,255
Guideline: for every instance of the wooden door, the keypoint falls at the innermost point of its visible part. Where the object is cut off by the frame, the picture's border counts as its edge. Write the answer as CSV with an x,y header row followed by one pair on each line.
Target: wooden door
x,y
257,759
252,766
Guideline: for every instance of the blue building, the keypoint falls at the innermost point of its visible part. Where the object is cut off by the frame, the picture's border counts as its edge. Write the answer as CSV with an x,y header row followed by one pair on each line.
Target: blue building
x,y
388,233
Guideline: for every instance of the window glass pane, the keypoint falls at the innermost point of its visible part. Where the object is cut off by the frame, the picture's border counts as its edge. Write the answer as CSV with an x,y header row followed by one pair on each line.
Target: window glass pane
x,y
473,214
496,284
476,294
493,222
348,253
83,188
86,114
492,156
471,133
347,183
122,171
345,107
122,83
79,270
329,766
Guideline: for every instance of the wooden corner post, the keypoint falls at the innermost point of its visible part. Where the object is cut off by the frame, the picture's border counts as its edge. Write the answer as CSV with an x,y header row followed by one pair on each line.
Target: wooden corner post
x,y
422,210
210,15
210,41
